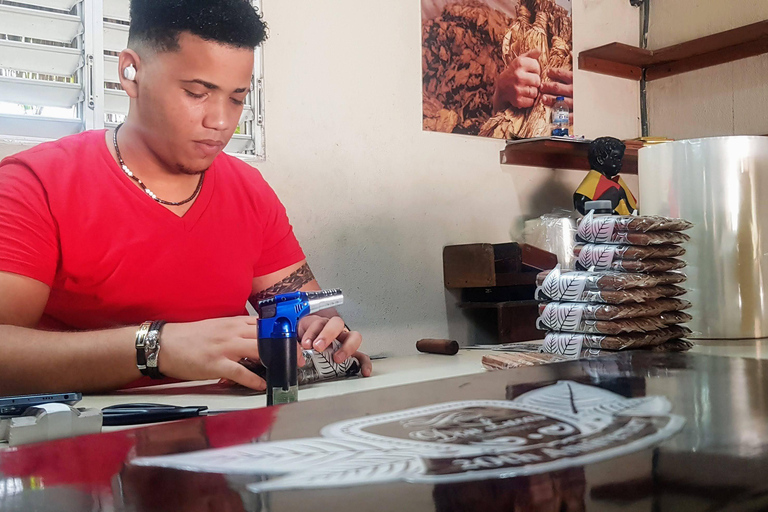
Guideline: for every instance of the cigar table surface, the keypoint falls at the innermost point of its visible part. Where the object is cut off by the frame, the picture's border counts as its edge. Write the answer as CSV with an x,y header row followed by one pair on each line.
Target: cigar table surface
x,y
392,371
630,431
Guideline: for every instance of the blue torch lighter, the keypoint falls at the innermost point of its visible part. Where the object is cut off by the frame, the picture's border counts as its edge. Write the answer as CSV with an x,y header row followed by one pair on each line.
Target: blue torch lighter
x,y
278,338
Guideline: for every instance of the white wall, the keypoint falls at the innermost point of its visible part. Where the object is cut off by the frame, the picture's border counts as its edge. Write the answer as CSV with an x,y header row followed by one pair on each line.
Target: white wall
x,y
729,99
373,198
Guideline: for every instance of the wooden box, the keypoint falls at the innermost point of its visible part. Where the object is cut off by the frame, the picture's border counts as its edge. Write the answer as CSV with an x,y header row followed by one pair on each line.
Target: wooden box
x,y
497,284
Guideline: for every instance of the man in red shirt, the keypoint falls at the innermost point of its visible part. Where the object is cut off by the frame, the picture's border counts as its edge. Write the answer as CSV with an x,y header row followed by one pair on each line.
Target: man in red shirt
x,y
104,230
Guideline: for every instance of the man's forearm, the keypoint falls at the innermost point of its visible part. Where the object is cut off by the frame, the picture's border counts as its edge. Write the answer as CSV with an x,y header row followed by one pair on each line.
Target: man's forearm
x,y
33,361
301,279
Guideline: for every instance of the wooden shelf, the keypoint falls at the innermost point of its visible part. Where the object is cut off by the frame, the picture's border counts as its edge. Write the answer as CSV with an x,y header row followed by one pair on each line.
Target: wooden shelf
x,y
625,61
499,305
515,320
558,154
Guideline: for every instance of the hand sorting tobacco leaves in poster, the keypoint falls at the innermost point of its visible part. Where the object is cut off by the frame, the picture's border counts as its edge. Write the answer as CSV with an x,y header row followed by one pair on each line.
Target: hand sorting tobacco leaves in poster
x,y
495,67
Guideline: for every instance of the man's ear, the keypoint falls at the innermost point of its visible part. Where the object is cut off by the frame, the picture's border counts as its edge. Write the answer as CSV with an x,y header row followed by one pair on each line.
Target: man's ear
x,y
129,70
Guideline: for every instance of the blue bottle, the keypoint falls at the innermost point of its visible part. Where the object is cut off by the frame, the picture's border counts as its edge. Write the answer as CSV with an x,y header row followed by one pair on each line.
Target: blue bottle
x,y
560,118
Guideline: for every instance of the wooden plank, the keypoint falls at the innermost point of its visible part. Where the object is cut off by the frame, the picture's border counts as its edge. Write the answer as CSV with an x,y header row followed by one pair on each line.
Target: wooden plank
x,y
515,320
497,305
625,61
518,324
548,153
616,59
620,52
469,265
516,279
712,43
611,68
706,60
537,259
507,258
554,154
547,160
488,265
629,165
561,146
498,293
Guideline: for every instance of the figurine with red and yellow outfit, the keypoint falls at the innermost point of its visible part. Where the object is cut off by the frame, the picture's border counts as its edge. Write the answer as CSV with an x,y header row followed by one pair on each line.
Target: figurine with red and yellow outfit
x,y
603,181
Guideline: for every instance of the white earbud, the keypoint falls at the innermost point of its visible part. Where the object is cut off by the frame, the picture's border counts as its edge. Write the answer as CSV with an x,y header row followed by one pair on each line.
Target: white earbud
x,y
130,73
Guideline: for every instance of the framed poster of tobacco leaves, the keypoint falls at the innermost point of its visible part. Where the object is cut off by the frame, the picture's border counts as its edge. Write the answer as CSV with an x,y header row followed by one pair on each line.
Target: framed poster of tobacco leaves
x,y
494,68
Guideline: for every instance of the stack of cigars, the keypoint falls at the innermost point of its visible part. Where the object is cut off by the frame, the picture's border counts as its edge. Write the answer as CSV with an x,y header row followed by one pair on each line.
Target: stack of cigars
x,y
625,292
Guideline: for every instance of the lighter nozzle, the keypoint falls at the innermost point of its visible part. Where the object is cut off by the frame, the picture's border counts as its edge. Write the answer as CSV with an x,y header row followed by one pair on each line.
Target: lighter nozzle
x,y
324,300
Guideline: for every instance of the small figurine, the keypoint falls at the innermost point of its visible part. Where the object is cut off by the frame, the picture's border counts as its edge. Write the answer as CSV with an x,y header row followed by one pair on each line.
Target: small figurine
x,y
603,181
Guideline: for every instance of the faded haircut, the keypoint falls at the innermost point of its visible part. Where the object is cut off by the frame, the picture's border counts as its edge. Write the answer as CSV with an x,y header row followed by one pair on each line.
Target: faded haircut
x,y
158,23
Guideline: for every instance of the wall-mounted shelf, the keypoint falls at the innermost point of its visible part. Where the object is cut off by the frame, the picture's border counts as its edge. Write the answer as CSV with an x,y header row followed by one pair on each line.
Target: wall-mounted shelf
x,y
558,154
625,61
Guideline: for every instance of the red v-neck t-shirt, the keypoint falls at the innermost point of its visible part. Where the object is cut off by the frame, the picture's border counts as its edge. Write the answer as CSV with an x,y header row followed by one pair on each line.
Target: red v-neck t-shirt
x,y
70,218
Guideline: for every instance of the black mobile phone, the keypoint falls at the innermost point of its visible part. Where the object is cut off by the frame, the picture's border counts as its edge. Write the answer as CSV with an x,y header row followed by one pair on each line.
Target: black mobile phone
x,y
16,405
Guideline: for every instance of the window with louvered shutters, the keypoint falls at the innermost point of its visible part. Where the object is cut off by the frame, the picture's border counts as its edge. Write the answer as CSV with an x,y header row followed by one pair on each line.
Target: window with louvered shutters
x,y
59,71
41,63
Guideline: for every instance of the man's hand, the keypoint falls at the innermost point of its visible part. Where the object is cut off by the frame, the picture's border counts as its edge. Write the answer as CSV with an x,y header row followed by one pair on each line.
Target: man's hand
x,y
560,83
518,85
318,332
211,349
315,331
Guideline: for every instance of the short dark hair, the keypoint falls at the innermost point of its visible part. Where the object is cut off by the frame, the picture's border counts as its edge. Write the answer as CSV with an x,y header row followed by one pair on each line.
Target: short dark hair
x,y
158,23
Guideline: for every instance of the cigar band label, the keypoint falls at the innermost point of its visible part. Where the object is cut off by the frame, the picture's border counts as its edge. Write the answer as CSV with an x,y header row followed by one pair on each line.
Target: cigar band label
x,y
602,230
564,344
566,316
568,286
597,257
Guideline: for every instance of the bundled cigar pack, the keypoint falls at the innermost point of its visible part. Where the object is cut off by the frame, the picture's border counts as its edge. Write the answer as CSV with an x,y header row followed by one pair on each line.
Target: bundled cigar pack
x,y
625,292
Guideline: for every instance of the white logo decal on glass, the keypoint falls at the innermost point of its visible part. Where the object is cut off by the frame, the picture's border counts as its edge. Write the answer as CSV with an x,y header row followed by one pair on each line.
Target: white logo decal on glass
x,y
547,429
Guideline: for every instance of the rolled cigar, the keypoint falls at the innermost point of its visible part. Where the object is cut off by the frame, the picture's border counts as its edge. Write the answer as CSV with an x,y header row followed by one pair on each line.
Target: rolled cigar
x,y
612,280
434,346
590,311
633,252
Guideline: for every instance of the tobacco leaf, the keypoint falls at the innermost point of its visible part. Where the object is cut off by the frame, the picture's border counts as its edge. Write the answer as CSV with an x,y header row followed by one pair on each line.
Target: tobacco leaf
x,y
461,57
551,32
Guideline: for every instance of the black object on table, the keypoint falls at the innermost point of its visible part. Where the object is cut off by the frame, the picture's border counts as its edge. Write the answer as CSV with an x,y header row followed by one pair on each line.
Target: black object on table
x,y
138,414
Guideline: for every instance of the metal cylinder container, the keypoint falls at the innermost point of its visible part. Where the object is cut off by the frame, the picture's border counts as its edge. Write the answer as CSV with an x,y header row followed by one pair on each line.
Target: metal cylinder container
x,y
721,185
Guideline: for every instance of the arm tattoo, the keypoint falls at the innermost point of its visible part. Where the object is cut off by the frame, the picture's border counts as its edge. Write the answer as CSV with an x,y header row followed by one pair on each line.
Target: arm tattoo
x,y
292,283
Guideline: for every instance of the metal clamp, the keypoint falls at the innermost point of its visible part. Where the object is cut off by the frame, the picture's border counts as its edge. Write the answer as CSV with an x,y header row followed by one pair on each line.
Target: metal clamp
x,y
47,422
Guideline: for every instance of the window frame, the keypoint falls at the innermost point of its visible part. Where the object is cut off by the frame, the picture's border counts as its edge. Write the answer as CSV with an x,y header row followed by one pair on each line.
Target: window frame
x,y
91,75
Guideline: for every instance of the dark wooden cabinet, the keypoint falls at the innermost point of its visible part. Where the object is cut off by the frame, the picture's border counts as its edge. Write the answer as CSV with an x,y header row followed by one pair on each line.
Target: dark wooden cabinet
x,y
496,284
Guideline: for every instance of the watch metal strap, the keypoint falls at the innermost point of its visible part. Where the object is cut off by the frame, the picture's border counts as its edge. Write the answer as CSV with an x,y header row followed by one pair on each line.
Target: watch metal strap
x,y
141,337
152,349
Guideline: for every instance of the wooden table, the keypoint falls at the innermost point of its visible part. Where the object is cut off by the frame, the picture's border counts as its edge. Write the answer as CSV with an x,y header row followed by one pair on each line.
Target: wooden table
x,y
628,431
389,372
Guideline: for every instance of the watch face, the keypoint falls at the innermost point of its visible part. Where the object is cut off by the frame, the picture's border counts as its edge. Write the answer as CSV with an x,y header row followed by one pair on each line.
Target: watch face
x,y
152,340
